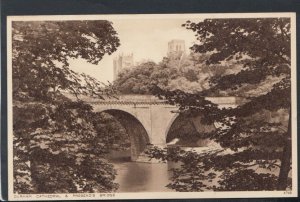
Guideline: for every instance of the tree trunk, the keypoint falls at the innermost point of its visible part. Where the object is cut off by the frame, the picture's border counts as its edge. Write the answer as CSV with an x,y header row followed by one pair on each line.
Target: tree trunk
x,y
285,159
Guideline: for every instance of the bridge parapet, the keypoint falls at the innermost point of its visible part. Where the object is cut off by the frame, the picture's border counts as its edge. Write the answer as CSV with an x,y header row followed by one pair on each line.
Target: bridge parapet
x,y
152,100
132,99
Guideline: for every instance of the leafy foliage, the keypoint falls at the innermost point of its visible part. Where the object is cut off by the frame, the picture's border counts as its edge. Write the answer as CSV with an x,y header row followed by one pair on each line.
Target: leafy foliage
x,y
41,51
137,80
189,74
60,144
247,179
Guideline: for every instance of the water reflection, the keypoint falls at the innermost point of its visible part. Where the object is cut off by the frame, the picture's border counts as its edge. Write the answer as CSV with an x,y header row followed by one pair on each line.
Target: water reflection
x,y
140,177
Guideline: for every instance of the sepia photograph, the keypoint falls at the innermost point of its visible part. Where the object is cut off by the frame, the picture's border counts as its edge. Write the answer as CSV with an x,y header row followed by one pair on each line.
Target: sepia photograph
x,y
152,106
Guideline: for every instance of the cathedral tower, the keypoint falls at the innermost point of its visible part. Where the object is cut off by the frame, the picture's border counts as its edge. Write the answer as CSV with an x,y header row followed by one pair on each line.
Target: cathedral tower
x,y
176,49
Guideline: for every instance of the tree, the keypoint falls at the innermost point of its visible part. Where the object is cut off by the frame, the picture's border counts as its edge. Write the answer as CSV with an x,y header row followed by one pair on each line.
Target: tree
x,y
258,132
59,145
189,75
42,49
136,80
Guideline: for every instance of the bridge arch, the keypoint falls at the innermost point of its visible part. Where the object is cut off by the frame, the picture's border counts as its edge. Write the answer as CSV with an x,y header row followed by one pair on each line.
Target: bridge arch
x,y
170,124
139,137
186,131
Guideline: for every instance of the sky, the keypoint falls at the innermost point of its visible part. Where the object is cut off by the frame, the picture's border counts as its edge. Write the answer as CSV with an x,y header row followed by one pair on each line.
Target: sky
x,y
146,38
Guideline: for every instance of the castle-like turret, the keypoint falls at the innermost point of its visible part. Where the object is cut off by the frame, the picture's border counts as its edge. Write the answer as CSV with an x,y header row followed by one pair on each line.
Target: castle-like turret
x,y
121,62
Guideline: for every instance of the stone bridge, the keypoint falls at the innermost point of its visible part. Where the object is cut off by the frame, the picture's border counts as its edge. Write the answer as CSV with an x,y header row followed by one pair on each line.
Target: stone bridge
x,y
146,119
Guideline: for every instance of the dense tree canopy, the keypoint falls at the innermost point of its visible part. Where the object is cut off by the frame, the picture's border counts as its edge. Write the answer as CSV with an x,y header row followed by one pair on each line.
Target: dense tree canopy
x,y
256,135
60,143
41,51
188,74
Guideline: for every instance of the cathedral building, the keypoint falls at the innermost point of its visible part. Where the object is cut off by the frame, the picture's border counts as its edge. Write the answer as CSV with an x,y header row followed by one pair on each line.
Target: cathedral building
x,y
176,52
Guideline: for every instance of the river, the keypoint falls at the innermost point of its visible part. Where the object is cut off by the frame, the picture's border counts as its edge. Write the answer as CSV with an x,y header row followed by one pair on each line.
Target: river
x,y
140,177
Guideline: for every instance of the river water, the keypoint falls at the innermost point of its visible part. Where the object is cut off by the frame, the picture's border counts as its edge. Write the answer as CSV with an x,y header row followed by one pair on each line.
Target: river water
x,y
140,177
144,177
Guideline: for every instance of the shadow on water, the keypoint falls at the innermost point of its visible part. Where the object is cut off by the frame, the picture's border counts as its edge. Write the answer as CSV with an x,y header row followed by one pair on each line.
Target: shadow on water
x,y
137,176
119,156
